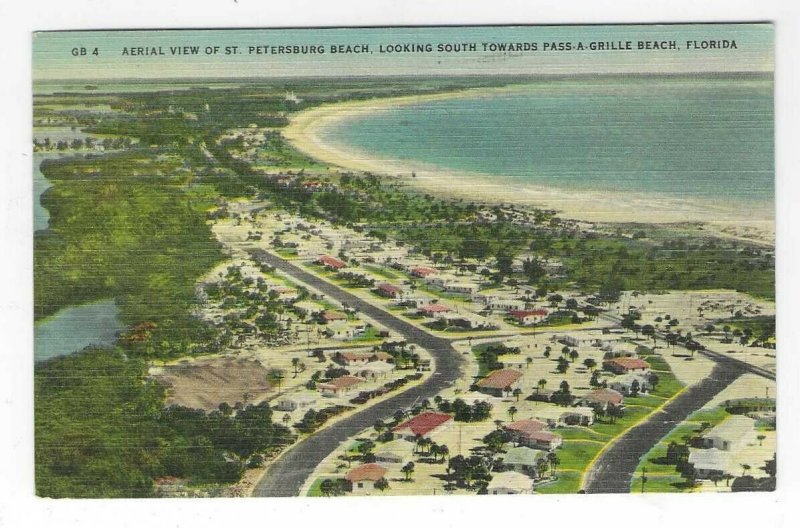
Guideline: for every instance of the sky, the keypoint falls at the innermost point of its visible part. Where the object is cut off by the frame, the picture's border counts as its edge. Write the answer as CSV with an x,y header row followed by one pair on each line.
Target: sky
x,y
53,56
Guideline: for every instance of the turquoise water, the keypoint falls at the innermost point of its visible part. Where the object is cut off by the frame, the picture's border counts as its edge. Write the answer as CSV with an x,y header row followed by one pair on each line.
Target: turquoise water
x,y
41,216
706,138
74,328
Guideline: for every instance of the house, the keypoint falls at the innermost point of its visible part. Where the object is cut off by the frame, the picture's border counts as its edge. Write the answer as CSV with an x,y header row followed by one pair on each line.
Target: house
x,y
543,440
467,321
528,317
709,463
734,432
523,460
364,477
331,263
505,304
285,293
423,365
623,383
430,310
558,416
339,386
439,279
329,316
389,290
341,330
510,483
499,381
424,424
422,271
602,398
375,370
623,365
394,452
521,430
350,359
468,288
294,402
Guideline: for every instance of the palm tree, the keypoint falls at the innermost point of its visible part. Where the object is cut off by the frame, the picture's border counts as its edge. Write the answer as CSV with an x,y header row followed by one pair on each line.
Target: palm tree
x,y
444,451
540,385
276,376
517,392
407,470
512,411
573,355
760,439
295,366
745,468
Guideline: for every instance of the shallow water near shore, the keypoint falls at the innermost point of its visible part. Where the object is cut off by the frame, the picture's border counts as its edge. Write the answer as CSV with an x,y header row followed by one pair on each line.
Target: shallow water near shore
x,y
76,327
705,138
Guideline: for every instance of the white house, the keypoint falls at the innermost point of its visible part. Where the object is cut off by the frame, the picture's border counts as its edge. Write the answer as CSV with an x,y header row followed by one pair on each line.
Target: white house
x,y
709,462
364,477
295,401
394,452
461,287
731,434
522,459
623,383
510,483
506,304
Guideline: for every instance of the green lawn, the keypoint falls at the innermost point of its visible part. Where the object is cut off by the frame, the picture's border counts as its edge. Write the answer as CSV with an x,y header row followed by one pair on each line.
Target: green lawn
x,y
314,490
569,481
576,454
659,484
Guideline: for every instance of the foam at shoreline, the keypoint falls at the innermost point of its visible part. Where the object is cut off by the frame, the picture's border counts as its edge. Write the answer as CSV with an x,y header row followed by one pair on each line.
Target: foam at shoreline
x,y
309,131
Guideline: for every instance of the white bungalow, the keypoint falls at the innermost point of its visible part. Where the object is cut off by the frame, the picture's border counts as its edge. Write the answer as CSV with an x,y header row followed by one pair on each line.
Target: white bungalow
x,y
295,401
394,452
510,483
731,434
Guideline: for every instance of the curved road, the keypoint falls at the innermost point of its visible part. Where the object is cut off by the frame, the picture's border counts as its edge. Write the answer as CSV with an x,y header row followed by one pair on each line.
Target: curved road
x,y
286,476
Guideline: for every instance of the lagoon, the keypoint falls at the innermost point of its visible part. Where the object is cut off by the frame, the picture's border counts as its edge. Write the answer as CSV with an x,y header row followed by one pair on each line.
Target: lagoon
x,y
73,329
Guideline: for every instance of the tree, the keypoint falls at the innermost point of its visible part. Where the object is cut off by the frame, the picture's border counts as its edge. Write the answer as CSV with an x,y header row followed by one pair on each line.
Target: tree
x,y
511,412
562,365
745,468
554,462
276,376
381,484
649,331
540,384
295,366
407,470
635,388
517,393
761,438
573,355
546,353
590,363
528,360
542,465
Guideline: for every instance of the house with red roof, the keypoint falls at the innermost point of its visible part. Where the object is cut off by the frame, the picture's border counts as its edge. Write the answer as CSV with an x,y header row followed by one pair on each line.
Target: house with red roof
x,y
623,365
431,310
364,477
499,381
350,359
424,424
528,317
339,386
521,430
422,271
332,263
389,290
329,316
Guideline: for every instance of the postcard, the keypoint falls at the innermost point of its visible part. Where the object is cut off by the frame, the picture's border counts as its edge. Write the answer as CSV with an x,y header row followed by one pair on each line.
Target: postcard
x,y
461,260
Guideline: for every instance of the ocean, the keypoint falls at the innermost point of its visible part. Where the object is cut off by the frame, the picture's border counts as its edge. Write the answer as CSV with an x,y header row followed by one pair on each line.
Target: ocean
x,y
694,137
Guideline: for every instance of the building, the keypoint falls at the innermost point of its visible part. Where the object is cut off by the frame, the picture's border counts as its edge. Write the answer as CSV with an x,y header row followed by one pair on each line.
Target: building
x,y
364,477
339,386
394,452
295,401
375,370
424,424
350,359
528,317
285,293
623,383
709,463
505,304
731,434
331,263
329,316
467,321
522,460
510,483
544,440
422,271
623,365
341,330
389,290
521,430
467,288
499,381
430,310
602,398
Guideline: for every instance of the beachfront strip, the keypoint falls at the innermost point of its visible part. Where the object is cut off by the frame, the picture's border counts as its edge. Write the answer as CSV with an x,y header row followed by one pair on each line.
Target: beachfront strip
x,y
552,374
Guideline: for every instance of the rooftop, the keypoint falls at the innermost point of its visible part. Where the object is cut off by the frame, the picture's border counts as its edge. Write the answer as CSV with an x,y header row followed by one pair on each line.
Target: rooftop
x,y
371,472
500,379
424,423
527,427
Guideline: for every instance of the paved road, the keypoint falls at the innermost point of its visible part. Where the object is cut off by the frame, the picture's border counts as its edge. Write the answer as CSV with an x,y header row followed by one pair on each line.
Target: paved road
x,y
614,469
285,477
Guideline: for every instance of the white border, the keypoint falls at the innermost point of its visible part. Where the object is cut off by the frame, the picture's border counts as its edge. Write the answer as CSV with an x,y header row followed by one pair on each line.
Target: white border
x,y
19,507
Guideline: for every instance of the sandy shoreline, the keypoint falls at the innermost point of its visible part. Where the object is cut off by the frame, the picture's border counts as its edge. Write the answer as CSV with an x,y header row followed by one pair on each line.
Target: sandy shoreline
x,y
306,132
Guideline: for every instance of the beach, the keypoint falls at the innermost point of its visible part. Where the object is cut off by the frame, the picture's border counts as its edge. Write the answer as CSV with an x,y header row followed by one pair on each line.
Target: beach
x,y
309,132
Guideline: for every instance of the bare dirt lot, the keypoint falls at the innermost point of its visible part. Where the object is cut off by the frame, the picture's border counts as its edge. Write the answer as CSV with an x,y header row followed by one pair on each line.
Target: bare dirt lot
x,y
205,384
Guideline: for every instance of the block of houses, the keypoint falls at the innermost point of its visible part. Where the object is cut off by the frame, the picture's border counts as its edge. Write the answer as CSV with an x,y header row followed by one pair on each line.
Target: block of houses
x,y
623,383
295,401
499,381
331,263
397,452
602,398
389,290
431,310
709,463
510,483
423,425
364,477
731,434
523,460
528,317
339,386
623,365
